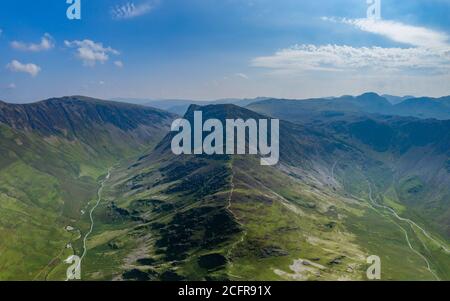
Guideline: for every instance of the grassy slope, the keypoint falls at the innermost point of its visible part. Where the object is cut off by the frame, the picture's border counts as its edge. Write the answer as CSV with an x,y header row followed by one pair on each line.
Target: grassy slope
x,y
187,195
196,218
380,232
358,231
47,179
278,220
31,194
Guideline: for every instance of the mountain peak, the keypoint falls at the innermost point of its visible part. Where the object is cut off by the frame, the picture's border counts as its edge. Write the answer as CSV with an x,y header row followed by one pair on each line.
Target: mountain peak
x,y
373,101
369,95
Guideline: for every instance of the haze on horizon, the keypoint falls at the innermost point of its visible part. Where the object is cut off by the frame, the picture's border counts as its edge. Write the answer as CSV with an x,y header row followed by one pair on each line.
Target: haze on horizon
x,y
206,50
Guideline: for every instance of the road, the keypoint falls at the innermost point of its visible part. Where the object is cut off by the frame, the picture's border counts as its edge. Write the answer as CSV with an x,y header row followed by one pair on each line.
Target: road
x,y
410,222
230,199
99,198
374,203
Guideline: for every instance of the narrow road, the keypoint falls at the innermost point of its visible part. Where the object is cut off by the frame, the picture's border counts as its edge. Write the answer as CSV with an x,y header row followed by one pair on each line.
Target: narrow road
x,y
244,234
410,222
230,199
99,198
374,203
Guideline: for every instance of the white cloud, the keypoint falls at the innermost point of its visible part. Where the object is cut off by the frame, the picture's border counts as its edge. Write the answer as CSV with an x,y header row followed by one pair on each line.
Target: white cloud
x,y
118,64
428,53
398,32
47,43
131,10
91,52
17,66
242,75
12,86
302,58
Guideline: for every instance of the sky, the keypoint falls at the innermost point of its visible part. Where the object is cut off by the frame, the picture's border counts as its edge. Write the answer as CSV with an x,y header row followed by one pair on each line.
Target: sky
x,y
212,49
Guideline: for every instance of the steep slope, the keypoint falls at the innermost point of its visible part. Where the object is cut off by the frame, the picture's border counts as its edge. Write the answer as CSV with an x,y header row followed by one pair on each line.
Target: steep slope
x,y
171,217
53,153
416,152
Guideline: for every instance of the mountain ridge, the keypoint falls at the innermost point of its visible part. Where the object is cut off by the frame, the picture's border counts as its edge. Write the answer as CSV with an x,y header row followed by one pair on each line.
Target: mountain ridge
x,y
65,113
270,216
53,155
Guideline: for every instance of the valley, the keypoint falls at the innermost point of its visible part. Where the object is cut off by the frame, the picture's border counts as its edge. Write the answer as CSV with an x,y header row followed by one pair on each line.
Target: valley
x,y
157,216
53,154
199,145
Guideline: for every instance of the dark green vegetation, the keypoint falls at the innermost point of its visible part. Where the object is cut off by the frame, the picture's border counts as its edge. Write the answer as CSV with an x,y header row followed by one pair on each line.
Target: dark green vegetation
x,y
346,182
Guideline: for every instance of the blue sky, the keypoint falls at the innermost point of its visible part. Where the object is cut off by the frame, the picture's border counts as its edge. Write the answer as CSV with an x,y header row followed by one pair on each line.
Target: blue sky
x,y
209,49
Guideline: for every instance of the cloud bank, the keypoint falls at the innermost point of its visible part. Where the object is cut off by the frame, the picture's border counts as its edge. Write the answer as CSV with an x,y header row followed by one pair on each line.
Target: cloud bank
x,y
428,52
301,58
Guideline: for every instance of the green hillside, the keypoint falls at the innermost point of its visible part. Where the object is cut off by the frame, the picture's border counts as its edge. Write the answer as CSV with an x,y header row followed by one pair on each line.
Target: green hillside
x,y
53,154
337,196
313,217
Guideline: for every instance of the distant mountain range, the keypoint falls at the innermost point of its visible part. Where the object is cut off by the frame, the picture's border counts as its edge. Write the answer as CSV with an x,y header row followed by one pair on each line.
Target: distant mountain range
x,y
305,110
423,107
353,180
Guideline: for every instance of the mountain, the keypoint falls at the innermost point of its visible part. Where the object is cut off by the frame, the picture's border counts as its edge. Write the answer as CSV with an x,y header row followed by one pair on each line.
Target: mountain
x,y
368,103
314,216
416,151
425,107
349,184
71,116
53,154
